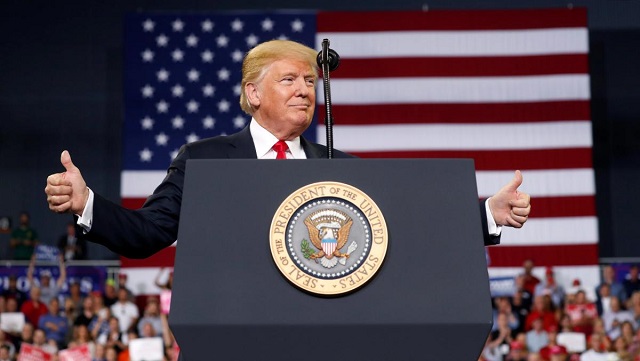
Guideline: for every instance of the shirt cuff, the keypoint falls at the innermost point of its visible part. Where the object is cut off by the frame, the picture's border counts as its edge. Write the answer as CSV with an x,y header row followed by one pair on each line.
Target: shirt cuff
x,y
86,219
494,229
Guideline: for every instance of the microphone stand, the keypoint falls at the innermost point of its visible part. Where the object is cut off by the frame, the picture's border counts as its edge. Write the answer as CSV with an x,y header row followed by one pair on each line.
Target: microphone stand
x,y
328,60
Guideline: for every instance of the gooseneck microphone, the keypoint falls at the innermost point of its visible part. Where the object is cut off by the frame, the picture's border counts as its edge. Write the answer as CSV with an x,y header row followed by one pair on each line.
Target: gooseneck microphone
x,y
328,60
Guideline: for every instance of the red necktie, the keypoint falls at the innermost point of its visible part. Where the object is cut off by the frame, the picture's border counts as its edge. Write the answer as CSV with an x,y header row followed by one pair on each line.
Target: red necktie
x,y
281,149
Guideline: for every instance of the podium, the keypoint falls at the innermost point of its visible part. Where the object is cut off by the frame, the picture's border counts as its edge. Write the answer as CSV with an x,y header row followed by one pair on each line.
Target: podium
x,y
428,301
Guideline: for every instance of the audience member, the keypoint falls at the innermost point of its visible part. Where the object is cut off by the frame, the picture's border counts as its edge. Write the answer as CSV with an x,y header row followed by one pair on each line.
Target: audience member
x,y
595,352
537,337
48,289
114,337
565,324
632,281
627,332
76,298
23,239
503,305
26,336
54,325
529,280
541,309
99,327
81,337
550,287
614,318
34,308
4,342
492,351
525,296
521,308
603,303
547,351
621,348
99,309
557,353
609,277
40,341
86,314
598,328
110,354
12,291
517,351
72,247
582,313
500,340
5,353
110,295
151,316
100,353
125,310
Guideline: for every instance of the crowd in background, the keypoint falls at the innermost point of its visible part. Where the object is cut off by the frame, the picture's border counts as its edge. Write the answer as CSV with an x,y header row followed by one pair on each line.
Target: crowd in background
x,y
540,321
543,321
105,321
24,239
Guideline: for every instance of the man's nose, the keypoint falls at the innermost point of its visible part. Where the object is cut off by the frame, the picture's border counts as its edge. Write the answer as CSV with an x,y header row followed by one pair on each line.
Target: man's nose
x,y
302,89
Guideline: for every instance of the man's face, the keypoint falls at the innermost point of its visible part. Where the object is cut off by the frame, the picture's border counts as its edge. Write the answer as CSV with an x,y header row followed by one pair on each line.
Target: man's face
x,y
528,266
35,293
286,98
54,306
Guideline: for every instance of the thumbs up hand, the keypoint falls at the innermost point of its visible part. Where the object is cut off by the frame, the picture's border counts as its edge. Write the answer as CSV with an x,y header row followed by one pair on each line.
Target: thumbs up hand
x,y
509,206
67,191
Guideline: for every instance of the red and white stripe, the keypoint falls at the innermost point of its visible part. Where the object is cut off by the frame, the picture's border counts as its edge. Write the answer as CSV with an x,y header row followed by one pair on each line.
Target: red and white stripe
x,y
507,88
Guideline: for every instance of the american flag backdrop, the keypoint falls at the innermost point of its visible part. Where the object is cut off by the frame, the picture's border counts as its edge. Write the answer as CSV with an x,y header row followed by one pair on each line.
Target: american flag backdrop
x,y
508,88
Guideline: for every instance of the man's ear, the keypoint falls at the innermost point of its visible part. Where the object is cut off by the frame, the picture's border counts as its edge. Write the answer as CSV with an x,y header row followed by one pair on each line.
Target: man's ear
x,y
253,94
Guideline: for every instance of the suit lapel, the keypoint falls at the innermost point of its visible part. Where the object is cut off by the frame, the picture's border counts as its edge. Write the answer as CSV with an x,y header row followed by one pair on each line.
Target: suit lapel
x,y
311,150
241,145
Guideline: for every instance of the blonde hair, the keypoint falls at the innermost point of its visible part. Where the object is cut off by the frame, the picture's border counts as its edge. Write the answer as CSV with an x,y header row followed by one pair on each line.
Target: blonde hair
x,y
257,62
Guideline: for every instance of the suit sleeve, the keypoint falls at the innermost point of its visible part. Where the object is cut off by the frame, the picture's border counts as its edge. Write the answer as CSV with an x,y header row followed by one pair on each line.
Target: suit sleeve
x,y
489,240
143,232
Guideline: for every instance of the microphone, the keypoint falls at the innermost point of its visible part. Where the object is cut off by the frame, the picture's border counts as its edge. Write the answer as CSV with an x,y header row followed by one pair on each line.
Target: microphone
x,y
328,60
333,59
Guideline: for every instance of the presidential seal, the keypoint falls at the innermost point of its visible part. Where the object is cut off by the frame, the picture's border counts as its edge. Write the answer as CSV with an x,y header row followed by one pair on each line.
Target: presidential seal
x,y
328,238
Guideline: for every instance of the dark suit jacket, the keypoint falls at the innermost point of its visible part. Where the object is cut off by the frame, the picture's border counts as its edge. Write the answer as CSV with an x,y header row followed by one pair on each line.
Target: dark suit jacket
x,y
143,232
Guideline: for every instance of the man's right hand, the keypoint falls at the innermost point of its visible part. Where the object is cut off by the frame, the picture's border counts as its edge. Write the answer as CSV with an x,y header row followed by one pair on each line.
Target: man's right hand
x,y
67,191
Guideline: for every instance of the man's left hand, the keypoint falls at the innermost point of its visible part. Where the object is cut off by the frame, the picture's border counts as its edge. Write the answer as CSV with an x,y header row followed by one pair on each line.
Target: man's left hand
x,y
510,207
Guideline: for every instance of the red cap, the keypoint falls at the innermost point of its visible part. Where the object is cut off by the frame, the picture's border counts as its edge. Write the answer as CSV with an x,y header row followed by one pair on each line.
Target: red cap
x,y
557,350
516,345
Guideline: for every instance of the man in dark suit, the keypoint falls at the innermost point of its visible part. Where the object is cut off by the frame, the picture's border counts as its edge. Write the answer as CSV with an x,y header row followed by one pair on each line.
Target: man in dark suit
x,y
278,82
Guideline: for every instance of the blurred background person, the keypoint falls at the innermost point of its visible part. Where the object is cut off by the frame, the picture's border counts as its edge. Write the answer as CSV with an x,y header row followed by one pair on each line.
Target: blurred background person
x,y
48,289
70,246
12,291
631,283
34,308
537,337
125,311
609,278
529,280
615,317
54,325
550,287
582,313
23,239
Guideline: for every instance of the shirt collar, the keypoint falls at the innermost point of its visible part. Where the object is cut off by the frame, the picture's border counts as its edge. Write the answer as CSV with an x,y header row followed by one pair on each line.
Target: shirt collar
x,y
263,141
